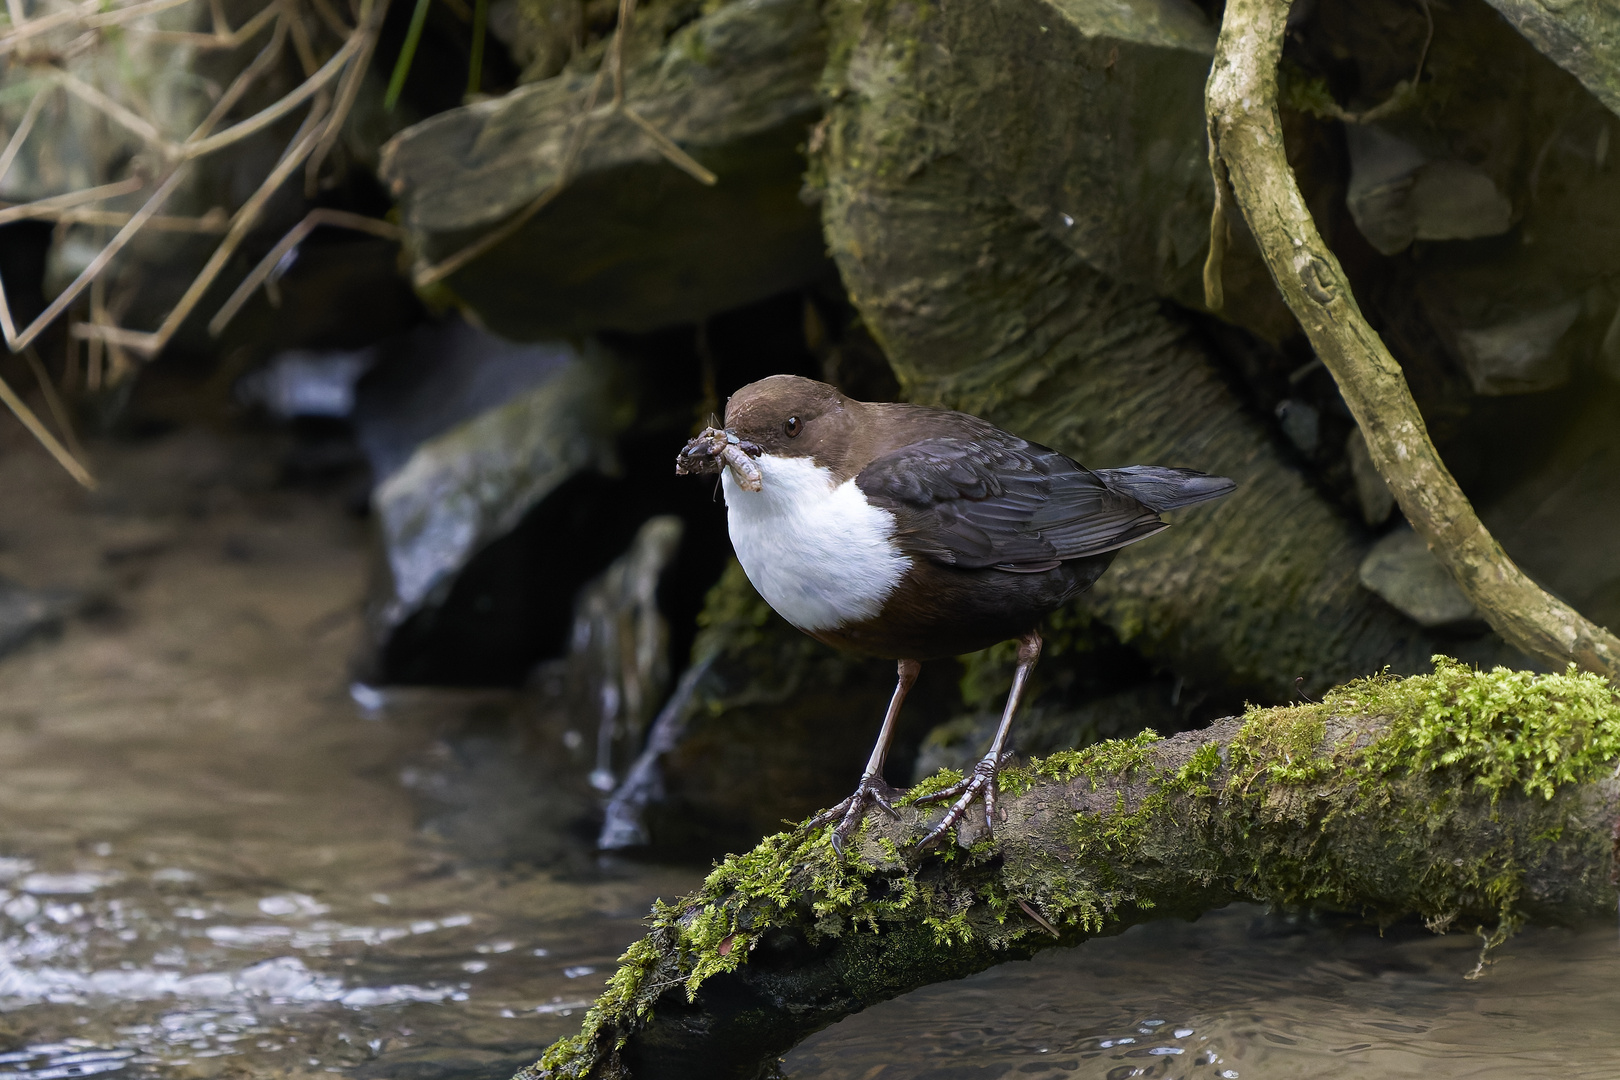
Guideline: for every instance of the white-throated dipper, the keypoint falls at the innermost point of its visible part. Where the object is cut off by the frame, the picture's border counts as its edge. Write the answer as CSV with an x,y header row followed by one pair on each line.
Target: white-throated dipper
x,y
915,534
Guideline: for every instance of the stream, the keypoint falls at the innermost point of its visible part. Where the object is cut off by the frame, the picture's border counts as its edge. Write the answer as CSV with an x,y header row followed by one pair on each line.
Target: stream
x,y
221,857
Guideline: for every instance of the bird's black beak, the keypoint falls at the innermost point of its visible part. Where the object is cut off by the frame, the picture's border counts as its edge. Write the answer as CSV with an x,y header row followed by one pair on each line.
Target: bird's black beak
x,y
714,449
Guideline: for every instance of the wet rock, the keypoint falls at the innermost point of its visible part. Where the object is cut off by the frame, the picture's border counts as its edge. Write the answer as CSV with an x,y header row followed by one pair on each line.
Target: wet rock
x,y
25,613
1377,502
1396,195
633,243
1521,356
1402,570
465,486
1581,36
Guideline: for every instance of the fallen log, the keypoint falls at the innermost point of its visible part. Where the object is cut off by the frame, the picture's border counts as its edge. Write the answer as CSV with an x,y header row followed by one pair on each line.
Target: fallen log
x,y
1459,797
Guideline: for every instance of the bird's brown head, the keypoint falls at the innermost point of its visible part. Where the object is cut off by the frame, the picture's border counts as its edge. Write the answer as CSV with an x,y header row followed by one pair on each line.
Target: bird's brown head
x,y
789,416
782,416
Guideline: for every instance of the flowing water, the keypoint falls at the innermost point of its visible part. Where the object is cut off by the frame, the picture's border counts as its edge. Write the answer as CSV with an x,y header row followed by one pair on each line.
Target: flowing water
x,y
219,858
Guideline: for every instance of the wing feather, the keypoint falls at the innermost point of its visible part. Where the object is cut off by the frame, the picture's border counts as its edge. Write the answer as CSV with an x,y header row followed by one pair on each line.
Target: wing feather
x,y
998,501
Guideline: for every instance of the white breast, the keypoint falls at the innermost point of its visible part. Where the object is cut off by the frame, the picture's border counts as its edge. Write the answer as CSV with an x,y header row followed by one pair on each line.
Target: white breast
x,y
819,553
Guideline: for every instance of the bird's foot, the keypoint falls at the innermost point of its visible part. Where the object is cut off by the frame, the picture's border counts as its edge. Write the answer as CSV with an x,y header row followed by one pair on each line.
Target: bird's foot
x,y
980,783
848,814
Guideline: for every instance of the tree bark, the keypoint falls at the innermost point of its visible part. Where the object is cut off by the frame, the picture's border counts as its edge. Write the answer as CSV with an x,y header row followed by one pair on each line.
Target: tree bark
x,y
1460,797
1246,149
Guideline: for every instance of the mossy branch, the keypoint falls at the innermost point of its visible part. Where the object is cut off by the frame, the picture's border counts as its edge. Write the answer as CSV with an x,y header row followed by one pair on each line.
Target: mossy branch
x,y
1460,797
1246,150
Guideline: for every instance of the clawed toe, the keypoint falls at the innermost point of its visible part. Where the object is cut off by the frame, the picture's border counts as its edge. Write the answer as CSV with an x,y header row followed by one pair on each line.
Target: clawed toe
x,y
980,783
848,814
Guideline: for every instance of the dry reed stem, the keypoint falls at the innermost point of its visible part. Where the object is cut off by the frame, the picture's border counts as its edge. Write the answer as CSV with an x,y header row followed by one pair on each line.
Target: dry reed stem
x,y
49,207
214,221
1246,138
38,430
367,27
245,80
24,126
16,341
53,401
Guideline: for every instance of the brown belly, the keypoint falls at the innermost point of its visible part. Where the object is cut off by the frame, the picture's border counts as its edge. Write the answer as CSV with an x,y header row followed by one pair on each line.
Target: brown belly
x,y
939,611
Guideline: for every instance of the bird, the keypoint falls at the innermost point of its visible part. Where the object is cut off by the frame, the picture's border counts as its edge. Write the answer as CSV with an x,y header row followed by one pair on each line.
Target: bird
x,y
914,534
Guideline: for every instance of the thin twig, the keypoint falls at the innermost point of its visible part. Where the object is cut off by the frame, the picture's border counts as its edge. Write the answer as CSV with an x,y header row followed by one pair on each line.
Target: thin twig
x,y
214,221
246,218
133,11
137,125
219,39
22,412
267,265
300,36
330,17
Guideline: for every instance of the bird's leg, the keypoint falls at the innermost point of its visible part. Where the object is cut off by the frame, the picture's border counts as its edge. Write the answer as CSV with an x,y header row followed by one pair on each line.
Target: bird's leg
x,y
982,780
872,788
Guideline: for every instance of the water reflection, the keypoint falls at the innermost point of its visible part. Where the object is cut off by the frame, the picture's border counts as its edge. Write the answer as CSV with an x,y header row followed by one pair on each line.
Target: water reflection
x,y
1244,994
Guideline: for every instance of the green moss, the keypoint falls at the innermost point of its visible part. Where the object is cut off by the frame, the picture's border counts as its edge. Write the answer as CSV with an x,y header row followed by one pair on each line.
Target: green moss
x,y
1508,730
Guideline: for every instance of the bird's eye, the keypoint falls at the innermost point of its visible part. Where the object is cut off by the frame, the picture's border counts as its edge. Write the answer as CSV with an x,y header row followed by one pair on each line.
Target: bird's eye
x,y
792,426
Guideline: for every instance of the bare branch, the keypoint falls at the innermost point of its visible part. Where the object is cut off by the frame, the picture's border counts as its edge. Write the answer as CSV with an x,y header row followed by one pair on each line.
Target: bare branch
x,y
1246,136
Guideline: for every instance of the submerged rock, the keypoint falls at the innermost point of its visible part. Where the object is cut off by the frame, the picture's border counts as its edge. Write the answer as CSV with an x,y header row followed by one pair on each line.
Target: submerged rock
x,y
632,243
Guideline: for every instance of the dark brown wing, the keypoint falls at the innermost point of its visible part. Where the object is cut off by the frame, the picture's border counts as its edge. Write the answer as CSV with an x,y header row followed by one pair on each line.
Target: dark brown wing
x,y
998,501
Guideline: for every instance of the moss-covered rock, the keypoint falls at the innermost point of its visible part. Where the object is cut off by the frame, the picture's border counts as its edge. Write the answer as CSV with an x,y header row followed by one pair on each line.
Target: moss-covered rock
x,y
632,243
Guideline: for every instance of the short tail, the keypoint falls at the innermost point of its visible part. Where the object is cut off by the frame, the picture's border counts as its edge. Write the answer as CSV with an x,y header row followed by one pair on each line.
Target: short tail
x,y
1162,489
